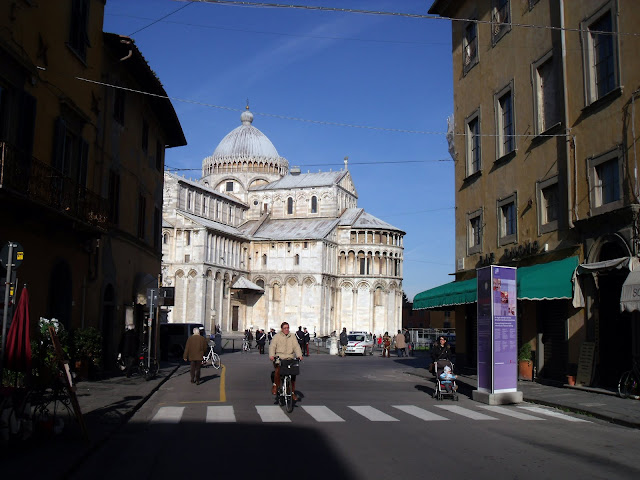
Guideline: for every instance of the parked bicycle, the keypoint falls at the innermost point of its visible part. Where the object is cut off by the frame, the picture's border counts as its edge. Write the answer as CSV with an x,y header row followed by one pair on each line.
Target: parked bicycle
x,y
148,368
211,359
284,395
629,383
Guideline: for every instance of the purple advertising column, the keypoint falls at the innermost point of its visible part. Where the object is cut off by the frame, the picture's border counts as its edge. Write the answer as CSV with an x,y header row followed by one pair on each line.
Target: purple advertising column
x,y
497,330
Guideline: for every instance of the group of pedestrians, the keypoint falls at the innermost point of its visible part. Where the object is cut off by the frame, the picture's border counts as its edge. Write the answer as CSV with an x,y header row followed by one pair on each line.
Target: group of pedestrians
x,y
401,341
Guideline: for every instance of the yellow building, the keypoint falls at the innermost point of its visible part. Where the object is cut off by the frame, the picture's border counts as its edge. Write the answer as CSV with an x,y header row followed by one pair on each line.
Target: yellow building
x,y
82,162
546,172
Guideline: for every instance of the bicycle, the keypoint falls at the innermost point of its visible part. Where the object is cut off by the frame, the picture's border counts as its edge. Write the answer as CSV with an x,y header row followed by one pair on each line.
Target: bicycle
x,y
211,358
629,383
246,345
147,369
284,396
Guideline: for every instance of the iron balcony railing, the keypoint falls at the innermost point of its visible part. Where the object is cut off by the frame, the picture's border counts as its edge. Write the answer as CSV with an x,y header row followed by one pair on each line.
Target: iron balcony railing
x,y
25,176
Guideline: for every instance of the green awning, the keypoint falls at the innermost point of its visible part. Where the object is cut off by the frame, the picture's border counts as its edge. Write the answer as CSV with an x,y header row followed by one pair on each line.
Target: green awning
x,y
547,281
454,293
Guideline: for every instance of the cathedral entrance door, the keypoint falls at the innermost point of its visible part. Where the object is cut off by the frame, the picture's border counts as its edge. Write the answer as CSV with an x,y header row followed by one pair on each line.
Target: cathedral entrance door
x,y
234,318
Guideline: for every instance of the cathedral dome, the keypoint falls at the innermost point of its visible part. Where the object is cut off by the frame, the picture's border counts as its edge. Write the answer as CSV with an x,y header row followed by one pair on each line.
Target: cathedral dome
x,y
246,141
245,145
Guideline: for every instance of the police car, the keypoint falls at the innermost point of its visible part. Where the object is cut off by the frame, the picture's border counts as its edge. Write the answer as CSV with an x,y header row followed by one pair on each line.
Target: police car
x,y
360,343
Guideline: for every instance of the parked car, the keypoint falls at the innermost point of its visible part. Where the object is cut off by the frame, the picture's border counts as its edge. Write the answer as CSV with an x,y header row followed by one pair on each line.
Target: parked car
x,y
173,337
360,343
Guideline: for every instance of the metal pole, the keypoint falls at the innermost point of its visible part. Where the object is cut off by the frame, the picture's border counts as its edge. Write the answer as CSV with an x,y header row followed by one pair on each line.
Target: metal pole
x,y
150,333
7,287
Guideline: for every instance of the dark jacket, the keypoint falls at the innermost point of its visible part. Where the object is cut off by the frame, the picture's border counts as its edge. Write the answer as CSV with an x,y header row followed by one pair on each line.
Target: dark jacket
x,y
307,337
300,336
407,337
261,338
440,352
129,344
344,339
195,348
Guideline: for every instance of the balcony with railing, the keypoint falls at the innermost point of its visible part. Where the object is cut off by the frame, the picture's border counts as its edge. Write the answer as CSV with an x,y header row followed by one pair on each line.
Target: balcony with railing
x,y
24,176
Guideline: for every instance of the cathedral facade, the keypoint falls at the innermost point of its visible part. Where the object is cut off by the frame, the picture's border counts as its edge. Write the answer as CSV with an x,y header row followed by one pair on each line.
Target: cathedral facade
x,y
254,243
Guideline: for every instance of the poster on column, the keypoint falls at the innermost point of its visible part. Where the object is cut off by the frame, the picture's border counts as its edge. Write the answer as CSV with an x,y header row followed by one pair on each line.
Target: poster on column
x,y
505,329
485,357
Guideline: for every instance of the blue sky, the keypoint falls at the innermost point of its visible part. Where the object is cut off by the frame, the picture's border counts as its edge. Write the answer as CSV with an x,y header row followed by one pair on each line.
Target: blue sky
x,y
364,70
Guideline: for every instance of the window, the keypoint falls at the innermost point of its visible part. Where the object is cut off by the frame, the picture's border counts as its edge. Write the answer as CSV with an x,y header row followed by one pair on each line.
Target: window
x,y
501,19
70,152
187,258
296,260
118,105
505,122
507,221
306,244
473,143
145,136
264,260
605,178
470,46
545,84
114,197
600,53
78,28
189,200
159,155
157,227
548,205
165,239
290,206
142,211
187,237
474,232
229,187
314,204
363,265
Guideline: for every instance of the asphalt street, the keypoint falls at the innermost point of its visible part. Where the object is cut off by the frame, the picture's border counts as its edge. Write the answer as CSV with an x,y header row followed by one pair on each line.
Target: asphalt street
x,y
357,417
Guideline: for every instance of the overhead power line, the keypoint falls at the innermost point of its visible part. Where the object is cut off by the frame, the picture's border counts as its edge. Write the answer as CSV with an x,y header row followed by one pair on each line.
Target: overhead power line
x,y
399,14
305,120
160,19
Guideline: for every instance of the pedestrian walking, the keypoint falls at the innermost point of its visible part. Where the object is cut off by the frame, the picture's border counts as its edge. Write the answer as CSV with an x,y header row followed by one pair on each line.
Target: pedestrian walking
x,y
344,340
271,334
407,340
386,345
261,339
307,339
300,339
128,348
400,343
194,352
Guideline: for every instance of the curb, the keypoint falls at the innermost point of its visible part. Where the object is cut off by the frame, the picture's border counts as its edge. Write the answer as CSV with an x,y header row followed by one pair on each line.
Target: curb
x,y
93,447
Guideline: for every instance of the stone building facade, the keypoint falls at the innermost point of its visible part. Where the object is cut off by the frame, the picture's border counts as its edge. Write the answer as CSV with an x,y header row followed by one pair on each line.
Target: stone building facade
x,y
252,244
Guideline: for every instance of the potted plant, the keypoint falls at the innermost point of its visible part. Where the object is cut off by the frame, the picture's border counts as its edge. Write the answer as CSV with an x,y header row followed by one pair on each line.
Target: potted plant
x,y
525,365
87,350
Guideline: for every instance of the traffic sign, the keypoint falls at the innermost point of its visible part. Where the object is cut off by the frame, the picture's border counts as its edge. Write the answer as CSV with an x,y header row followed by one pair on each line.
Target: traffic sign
x,y
17,255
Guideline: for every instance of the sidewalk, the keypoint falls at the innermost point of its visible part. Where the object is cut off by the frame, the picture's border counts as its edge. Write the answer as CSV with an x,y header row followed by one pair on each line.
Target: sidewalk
x,y
106,405
594,402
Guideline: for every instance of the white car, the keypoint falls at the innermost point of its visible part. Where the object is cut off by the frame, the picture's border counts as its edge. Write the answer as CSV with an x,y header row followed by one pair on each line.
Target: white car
x,y
360,343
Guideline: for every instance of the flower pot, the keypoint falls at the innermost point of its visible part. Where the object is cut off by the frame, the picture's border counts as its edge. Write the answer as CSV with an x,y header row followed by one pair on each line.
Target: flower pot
x,y
571,380
525,370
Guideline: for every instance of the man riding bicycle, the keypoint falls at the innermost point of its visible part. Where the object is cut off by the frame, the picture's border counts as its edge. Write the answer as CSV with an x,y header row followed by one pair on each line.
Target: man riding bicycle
x,y
284,346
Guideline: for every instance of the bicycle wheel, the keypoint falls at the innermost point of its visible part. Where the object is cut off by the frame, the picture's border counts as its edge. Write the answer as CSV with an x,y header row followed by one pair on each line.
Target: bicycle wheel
x,y
288,394
54,416
631,385
215,361
622,385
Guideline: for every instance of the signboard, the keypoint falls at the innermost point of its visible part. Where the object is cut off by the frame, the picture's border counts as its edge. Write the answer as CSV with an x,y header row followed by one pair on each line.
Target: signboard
x,y
497,329
585,363
17,255
166,297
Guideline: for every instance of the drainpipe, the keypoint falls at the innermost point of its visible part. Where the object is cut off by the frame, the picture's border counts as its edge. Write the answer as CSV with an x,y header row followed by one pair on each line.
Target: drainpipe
x,y
566,117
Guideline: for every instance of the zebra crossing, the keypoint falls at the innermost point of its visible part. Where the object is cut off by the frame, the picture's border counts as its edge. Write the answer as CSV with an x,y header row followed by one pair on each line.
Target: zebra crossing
x,y
394,413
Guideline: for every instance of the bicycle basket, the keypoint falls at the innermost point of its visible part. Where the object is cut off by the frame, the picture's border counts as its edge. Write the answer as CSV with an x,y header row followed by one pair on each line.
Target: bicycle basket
x,y
290,367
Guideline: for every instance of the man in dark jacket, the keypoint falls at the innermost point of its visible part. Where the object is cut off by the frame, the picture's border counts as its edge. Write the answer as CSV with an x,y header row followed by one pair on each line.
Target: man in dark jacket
x,y
128,348
307,339
344,340
194,352
407,341
300,339
261,339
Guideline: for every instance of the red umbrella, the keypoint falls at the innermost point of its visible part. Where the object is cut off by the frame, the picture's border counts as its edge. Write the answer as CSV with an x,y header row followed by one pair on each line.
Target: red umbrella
x,y
18,343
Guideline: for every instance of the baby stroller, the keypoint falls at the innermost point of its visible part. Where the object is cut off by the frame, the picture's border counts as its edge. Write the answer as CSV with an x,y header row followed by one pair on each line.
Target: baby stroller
x,y
445,387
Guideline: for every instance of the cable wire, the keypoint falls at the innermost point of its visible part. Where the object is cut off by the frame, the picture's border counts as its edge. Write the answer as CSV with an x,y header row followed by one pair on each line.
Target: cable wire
x,y
161,18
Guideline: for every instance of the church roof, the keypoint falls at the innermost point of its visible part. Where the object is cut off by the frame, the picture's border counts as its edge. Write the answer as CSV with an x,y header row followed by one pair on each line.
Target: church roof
x,y
213,225
358,218
207,188
304,180
246,284
292,229
246,141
